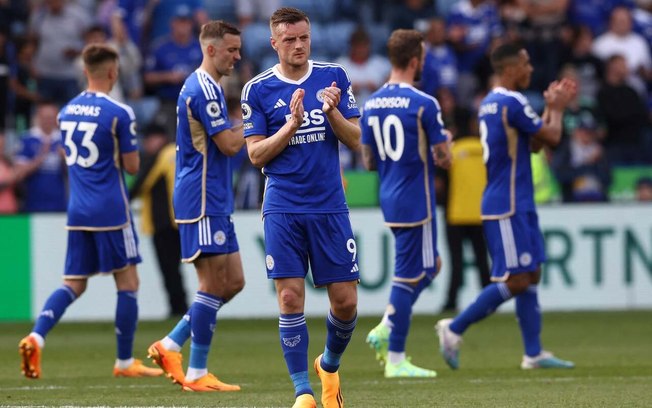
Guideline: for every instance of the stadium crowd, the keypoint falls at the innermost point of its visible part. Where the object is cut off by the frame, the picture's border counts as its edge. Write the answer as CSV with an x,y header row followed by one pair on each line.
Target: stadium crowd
x,y
604,45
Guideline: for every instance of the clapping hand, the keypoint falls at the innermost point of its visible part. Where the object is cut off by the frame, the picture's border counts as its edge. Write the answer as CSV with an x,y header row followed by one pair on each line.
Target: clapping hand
x,y
296,108
331,95
560,93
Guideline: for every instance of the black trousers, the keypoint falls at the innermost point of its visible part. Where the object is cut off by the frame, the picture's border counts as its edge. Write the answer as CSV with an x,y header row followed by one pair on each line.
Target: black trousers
x,y
168,253
456,234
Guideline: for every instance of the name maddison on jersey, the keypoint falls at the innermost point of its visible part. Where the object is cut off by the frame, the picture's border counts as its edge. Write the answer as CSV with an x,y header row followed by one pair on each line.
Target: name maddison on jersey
x,y
84,110
388,102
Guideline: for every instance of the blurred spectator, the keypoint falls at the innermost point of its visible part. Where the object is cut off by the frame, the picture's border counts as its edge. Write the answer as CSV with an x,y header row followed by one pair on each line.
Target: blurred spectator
x,y
644,189
458,119
440,65
7,61
367,71
170,63
8,203
154,184
545,19
466,181
250,11
135,17
621,40
579,109
40,163
164,11
588,67
624,114
411,14
471,26
581,166
59,27
23,85
594,13
13,17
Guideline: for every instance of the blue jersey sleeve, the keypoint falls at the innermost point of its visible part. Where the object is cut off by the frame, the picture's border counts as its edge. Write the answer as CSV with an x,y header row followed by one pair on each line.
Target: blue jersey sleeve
x,y
126,132
523,117
211,113
348,105
433,123
253,116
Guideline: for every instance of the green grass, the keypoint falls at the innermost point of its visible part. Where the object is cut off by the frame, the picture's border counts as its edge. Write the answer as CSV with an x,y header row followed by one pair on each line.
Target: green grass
x,y
612,350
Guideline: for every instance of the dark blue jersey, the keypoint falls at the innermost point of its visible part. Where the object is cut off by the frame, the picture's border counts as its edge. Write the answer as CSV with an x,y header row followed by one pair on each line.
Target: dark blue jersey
x,y
203,184
507,122
401,124
305,176
96,131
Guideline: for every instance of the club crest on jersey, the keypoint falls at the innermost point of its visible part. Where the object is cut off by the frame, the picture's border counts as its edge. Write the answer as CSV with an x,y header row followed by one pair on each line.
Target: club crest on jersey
x,y
246,111
219,237
269,261
320,95
213,109
525,259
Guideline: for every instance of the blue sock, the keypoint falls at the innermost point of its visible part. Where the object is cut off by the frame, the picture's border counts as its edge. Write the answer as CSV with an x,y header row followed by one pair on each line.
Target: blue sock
x,y
293,333
338,336
529,319
126,318
53,309
202,324
181,332
485,304
400,297
423,283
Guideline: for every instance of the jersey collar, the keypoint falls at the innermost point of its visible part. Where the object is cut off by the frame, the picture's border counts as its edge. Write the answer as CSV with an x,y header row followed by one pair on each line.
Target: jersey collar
x,y
292,81
210,78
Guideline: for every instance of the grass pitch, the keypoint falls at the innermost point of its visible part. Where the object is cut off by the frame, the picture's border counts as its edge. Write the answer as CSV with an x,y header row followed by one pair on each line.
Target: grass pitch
x,y
612,351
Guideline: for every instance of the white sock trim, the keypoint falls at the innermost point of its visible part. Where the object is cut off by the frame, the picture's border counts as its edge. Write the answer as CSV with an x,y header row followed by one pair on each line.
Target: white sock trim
x,y
170,344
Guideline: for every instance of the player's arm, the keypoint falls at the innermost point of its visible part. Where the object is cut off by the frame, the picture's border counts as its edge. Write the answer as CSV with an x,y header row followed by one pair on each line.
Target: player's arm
x,y
441,152
131,162
263,149
368,159
557,97
346,130
230,141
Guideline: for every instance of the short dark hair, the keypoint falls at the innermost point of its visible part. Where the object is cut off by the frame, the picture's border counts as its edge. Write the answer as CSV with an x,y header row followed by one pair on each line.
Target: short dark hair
x,y
503,56
403,45
216,29
94,55
287,15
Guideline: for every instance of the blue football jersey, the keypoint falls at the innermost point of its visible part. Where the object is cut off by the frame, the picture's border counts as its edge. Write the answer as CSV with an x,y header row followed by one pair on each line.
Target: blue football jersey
x,y
507,122
401,124
203,184
305,176
96,130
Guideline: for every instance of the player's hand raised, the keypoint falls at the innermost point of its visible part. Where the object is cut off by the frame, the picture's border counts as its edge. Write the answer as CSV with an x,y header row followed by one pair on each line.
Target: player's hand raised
x,y
296,108
331,96
560,93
